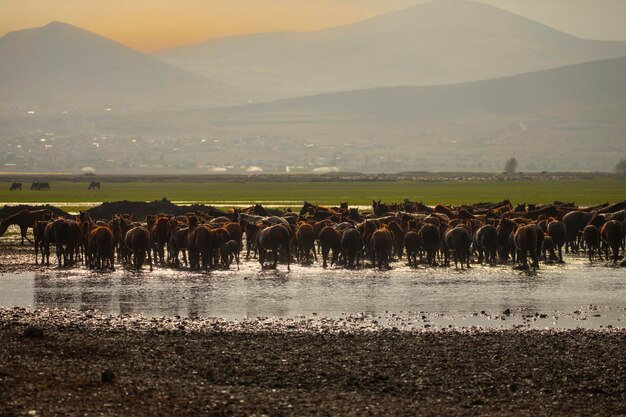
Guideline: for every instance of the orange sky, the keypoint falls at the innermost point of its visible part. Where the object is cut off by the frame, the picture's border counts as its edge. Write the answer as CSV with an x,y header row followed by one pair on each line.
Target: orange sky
x,y
154,24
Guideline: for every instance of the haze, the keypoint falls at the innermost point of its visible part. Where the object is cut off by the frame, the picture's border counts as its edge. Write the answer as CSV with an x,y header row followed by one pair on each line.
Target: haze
x,y
312,86
149,25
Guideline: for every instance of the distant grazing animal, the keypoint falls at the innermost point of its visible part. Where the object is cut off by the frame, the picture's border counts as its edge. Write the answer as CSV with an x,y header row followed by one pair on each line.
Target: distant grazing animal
x,y
94,185
16,186
40,186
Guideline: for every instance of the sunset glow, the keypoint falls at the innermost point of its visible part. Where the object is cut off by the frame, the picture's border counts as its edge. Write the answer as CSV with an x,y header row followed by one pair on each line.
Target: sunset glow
x,y
149,25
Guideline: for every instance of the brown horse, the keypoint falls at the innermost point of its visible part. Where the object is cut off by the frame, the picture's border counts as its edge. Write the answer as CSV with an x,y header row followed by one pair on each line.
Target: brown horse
x,y
229,252
352,245
159,233
412,246
430,241
272,239
40,241
458,240
612,234
486,242
525,239
138,242
556,230
101,248
24,219
178,242
330,239
305,237
60,233
380,247
591,237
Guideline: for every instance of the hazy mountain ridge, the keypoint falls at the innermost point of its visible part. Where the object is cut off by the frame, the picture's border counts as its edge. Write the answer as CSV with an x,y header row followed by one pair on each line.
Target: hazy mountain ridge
x,y
441,42
63,66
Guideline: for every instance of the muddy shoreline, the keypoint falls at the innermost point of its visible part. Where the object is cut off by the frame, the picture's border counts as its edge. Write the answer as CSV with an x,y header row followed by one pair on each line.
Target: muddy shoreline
x,y
176,366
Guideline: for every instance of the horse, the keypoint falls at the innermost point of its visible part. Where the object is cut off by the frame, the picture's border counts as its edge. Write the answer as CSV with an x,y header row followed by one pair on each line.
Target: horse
x,y
591,237
229,251
558,233
101,248
159,234
380,247
330,239
271,239
412,246
94,185
486,242
525,239
430,240
505,231
24,219
178,242
138,242
38,231
575,222
40,186
548,246
60,233
612,233
351,245
16,186
459,241
305,236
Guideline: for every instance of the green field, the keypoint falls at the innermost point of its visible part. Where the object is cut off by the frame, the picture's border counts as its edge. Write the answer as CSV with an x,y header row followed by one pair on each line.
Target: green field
x,y
229,193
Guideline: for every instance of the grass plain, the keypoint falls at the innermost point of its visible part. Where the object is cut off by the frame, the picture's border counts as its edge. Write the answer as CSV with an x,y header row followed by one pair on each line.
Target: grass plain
x,y
241,193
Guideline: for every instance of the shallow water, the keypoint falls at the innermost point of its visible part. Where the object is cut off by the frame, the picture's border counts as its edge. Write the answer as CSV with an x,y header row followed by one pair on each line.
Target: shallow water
x,y
564,296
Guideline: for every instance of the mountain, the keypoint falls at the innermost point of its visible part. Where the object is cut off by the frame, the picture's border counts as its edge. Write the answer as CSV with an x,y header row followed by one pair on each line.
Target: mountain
x,y
59,65
441,42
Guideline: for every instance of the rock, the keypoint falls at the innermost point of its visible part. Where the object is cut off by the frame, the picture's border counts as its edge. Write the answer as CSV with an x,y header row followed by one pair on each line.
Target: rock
x,y
33,332
507,312
108,376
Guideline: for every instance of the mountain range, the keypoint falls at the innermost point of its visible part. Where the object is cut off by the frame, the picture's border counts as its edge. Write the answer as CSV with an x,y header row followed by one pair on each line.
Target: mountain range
x,y
440,42
59,65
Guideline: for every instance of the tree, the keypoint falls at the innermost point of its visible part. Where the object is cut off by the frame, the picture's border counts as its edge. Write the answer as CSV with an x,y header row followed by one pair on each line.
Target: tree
x,y
620,168
511,166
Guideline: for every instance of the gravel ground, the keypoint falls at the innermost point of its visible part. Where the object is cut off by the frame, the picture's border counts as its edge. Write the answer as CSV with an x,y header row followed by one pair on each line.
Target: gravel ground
x,y
52,363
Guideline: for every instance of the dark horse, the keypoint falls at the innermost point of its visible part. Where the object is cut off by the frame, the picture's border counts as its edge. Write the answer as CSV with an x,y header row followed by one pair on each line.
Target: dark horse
x,y
271,239
16,186
94,185
138,243
40,186
24,219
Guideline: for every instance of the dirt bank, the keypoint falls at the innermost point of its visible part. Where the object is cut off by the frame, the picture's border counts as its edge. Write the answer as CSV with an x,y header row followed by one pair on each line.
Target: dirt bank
x,y
178,366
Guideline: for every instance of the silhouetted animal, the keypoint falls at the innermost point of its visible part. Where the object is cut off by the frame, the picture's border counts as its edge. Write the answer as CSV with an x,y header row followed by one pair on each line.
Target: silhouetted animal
x,y
16,186
272,239
525,239
556,230
612,234
24,219
458,240
330,239
591,237
412,246
352,246
430,240
94,185
229,252
486,242
138,243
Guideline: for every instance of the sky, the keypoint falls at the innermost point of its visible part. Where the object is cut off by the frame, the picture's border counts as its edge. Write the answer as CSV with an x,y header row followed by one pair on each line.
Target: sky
x,y
149,25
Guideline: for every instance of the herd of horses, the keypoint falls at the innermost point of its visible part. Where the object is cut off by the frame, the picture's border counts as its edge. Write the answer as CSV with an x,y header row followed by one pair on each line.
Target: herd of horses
x,y
489,233
45,186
